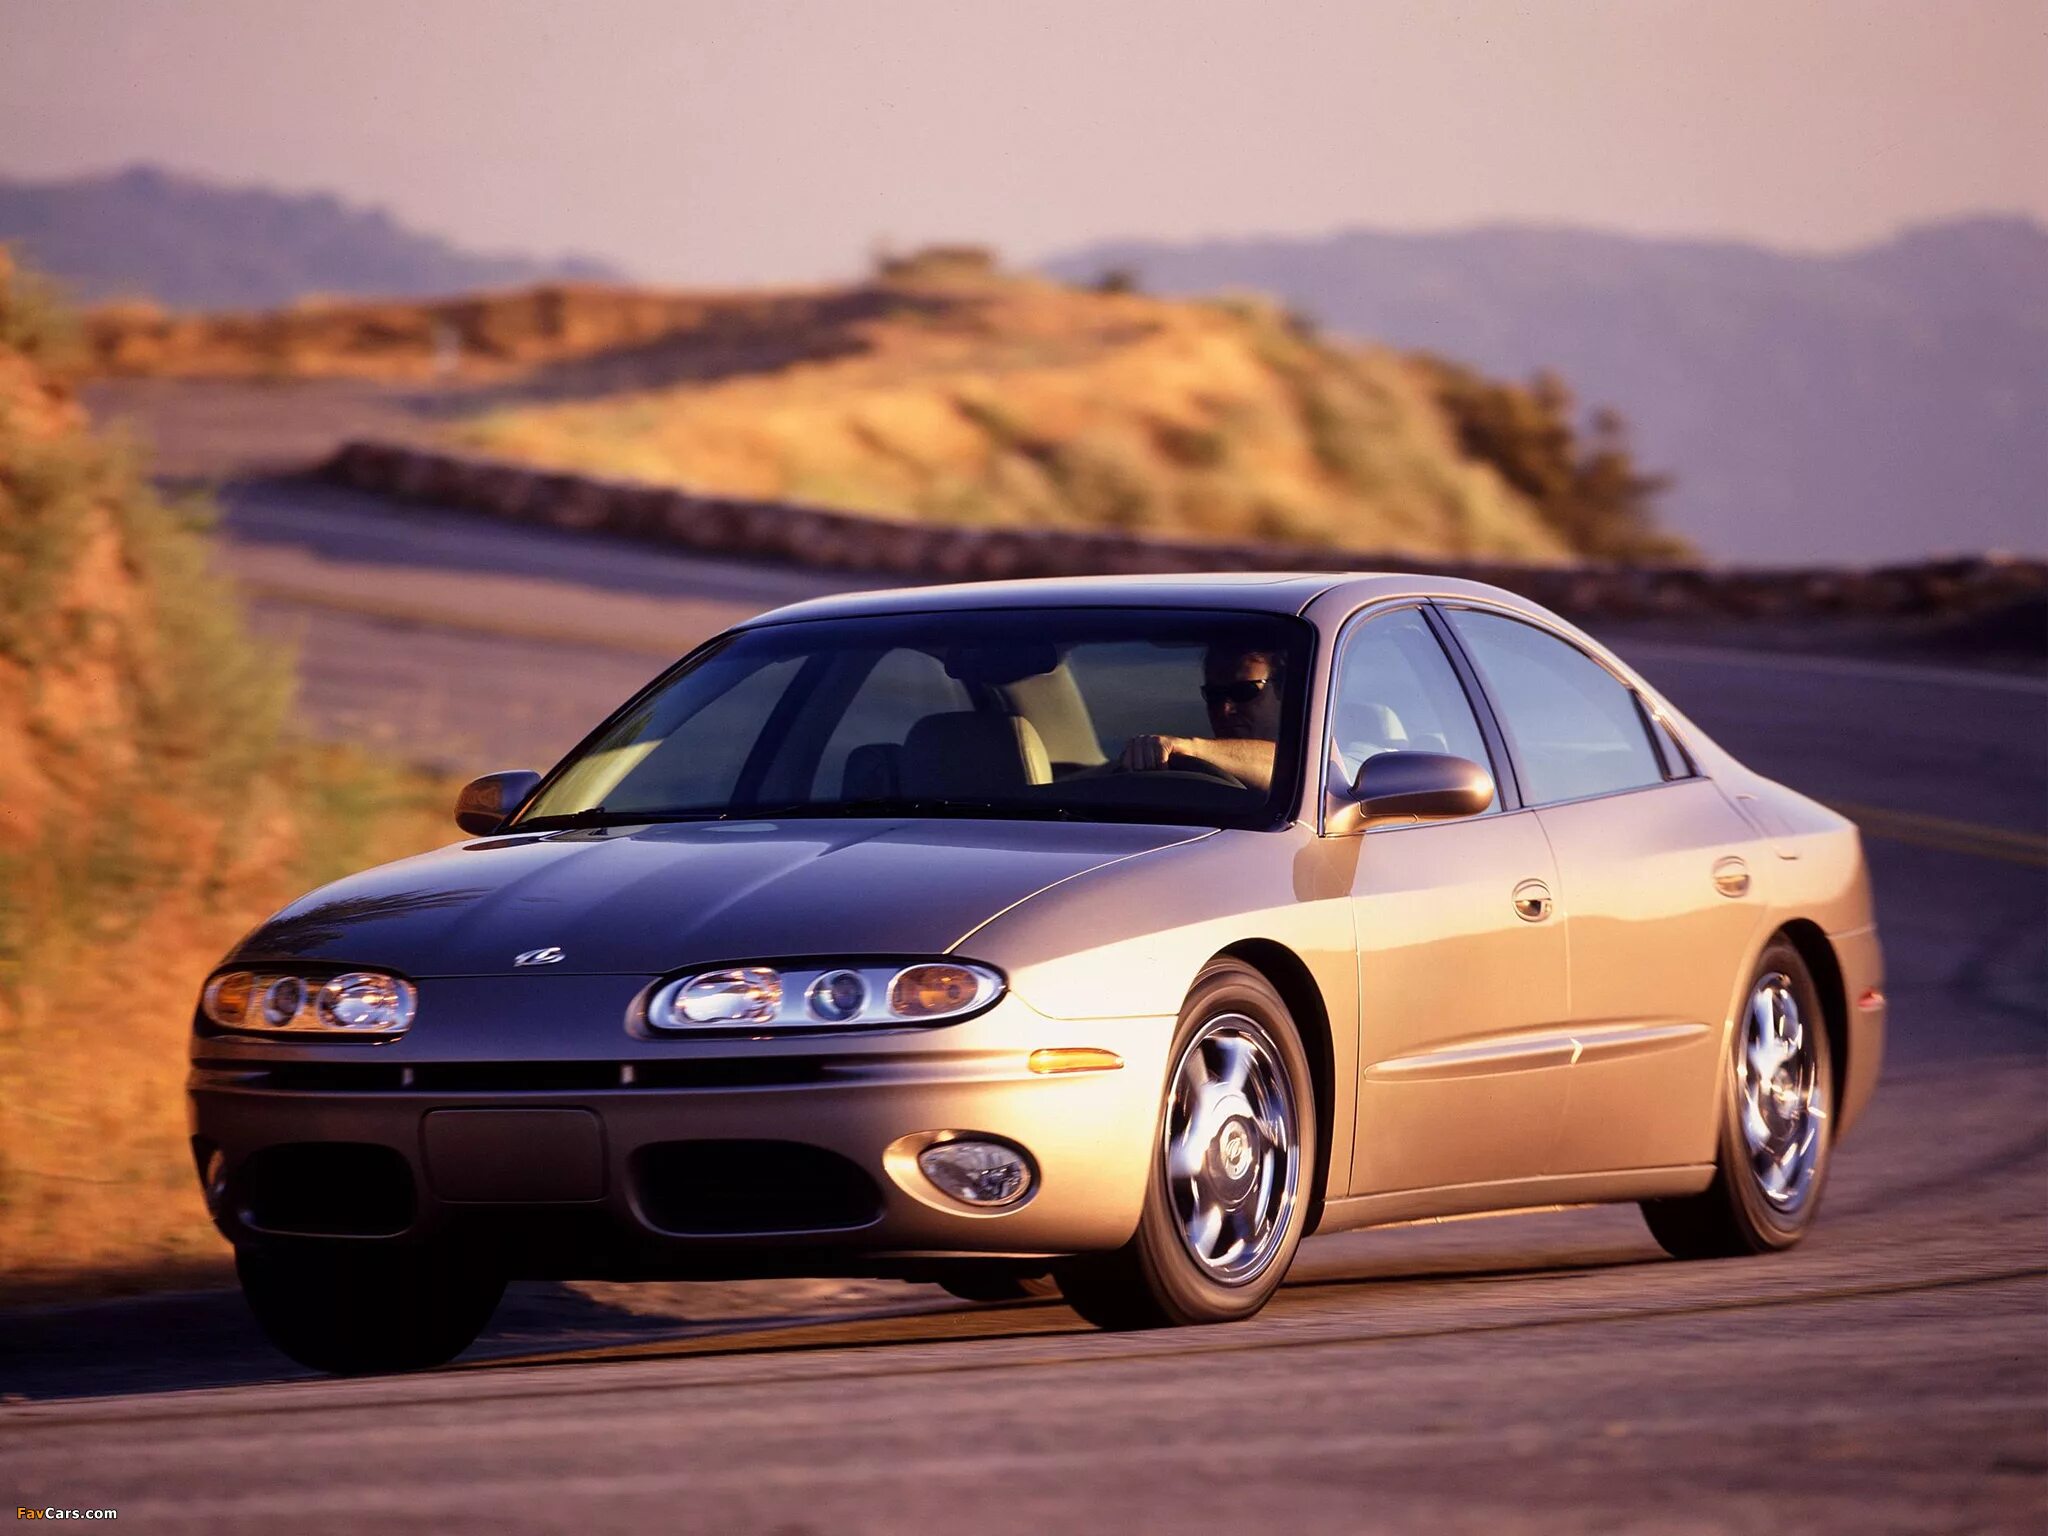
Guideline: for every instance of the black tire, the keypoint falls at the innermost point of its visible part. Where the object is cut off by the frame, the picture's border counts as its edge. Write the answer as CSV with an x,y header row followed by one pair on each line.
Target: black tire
x,y
1155,1280
1737,1214
994,1283
350,1309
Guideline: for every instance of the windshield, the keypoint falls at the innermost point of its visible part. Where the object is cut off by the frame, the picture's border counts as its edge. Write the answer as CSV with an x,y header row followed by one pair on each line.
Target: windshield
x,y
1075,713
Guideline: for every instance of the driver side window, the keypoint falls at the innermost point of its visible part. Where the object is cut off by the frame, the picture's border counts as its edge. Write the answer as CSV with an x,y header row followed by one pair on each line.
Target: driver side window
x,y
1394,691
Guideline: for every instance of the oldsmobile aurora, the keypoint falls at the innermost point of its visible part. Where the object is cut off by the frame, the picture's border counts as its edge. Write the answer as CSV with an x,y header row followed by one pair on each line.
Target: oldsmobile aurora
x,y
1121,932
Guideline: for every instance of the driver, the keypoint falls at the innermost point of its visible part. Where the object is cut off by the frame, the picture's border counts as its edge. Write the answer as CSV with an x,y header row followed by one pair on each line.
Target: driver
x,y
1242,691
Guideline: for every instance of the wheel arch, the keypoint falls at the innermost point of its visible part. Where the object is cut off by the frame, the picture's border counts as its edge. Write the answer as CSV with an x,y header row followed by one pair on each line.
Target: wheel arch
x,y
1807,937
1292,979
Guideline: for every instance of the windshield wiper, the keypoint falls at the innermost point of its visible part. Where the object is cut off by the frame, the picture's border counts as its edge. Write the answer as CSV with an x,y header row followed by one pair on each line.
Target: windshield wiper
x,y
595,818
899,805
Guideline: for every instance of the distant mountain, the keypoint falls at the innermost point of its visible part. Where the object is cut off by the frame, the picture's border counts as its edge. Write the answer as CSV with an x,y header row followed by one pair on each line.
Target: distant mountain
x,y
1882,404
188,243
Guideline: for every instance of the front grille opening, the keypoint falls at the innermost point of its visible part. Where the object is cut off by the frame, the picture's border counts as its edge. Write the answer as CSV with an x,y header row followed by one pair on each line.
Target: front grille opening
x,y
333,1077
326,1189
720,1188
516,1076
529,1076
731,1072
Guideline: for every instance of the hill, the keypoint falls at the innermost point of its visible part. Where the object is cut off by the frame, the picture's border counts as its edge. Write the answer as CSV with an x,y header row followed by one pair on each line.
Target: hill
x,y
1880,404
152,806
188,243
945,390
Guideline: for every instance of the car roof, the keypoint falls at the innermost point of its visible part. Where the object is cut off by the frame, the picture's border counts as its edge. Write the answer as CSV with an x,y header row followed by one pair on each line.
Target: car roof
x,y
1254,591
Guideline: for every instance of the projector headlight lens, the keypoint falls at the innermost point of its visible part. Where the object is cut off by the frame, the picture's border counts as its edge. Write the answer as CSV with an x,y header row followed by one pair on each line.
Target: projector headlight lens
x,y
282,1000
838,996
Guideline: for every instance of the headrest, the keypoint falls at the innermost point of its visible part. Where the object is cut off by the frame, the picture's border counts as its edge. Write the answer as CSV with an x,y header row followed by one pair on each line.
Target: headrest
x,y
1362,721
972,756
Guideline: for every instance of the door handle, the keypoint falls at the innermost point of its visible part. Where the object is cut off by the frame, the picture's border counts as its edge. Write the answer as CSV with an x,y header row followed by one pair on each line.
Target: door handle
x,y
1731,876
1532,901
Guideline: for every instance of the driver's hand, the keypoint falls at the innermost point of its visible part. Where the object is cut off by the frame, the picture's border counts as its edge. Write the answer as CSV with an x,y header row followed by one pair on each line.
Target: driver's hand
x,y
1146,752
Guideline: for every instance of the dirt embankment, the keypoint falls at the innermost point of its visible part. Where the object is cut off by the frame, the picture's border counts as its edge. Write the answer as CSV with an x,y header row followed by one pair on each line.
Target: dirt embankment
x,y
151,808
955,394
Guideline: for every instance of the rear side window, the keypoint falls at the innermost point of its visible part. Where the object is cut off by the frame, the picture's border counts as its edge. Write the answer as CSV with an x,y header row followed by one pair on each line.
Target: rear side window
x,y
1575,727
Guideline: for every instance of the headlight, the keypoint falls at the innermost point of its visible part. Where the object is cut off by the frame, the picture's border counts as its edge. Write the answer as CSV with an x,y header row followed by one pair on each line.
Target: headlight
x,y
226,998
857,996
933,991
353,1003
749,995
367,1001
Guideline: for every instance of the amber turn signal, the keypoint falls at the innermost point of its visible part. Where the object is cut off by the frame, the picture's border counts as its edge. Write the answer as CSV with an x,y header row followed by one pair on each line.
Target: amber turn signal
x,y
924,991
1075,1058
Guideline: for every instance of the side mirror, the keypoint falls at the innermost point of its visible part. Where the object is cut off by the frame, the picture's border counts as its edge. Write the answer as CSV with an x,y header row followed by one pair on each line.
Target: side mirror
x,y
484,803
1430,786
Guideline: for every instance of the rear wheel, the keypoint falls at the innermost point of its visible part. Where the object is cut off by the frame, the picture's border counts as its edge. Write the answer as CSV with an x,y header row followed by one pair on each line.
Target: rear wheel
x,y
350,1309
1231,1168
1777,1106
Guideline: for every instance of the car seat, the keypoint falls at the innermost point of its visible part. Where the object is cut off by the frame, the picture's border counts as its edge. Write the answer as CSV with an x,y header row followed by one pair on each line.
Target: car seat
x,y
967,755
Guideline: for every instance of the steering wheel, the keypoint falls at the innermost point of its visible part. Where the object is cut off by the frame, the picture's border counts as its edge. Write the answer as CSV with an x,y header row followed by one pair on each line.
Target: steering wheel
x,y
1182,764
1178,764
1201,767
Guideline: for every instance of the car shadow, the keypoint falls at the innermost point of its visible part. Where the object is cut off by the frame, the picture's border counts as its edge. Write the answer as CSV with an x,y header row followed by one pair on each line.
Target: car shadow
x,y
203,1339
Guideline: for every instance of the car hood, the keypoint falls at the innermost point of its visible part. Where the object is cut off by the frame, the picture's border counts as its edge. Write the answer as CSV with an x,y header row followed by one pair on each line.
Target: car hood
x,y
649,899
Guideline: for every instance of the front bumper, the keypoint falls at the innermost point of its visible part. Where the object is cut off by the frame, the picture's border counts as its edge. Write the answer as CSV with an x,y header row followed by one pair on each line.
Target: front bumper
x,y
602,1155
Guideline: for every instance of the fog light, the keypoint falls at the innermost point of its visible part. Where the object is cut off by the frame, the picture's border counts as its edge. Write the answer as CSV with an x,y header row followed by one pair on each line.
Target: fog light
x,y
213,1181
985,1173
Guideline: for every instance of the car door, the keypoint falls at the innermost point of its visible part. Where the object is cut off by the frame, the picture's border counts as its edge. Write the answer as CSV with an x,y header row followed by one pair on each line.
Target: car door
x,y
1464,1048
1660,876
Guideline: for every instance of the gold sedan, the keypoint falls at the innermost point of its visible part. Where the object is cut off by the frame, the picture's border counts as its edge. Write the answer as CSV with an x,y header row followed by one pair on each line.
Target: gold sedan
x,y
1121,932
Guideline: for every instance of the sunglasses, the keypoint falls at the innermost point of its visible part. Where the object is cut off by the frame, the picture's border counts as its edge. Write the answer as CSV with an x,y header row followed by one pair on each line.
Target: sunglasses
x,y
1234,693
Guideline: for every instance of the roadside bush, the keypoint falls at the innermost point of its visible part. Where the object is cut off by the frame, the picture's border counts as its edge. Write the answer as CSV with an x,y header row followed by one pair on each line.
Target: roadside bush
x,y
153,805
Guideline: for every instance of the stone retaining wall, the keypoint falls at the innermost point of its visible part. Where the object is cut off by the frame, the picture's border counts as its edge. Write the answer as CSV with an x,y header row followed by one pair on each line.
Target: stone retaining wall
x,y
830,540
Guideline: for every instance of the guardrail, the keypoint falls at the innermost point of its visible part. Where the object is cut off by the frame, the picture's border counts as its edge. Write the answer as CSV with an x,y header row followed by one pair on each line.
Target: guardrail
x,y
827,539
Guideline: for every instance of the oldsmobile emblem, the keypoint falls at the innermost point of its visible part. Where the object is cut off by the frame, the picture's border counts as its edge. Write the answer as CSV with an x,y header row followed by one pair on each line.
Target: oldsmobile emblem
x,y
549,956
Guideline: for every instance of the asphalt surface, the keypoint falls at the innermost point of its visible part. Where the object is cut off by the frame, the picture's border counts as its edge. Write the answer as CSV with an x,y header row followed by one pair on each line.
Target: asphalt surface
x,y
1532,1373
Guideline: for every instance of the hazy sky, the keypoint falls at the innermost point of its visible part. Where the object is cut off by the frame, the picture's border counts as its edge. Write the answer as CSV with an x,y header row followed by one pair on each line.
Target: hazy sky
x,y
758,140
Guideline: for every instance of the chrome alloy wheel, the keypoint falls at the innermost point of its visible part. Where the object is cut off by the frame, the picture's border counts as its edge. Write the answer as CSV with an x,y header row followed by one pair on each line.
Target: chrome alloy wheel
x,y
1781,1093
1233,1167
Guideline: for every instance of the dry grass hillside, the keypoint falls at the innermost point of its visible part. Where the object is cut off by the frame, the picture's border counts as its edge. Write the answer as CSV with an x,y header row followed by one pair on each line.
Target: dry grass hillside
x,y
152,807
947,391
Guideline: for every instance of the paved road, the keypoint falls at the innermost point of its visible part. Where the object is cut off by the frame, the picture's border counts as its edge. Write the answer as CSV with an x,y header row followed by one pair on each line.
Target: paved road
x,y
1537,1373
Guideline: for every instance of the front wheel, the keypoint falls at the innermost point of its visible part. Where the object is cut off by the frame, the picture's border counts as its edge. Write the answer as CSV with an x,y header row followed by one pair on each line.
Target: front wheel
x,y
352,1310
1777,1103
1231,1168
